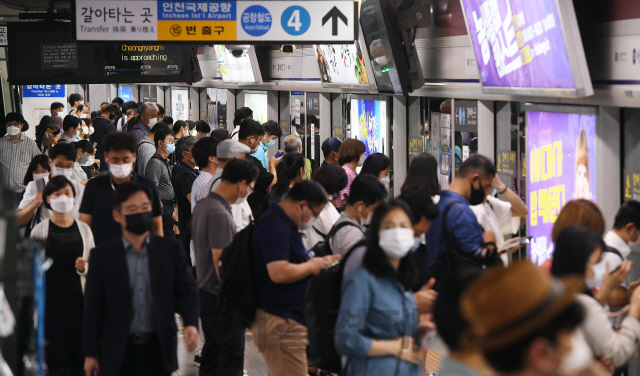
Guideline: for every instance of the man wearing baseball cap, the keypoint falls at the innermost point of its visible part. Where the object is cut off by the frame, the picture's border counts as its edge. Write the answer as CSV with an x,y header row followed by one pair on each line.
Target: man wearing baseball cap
x,y
330,148
524,321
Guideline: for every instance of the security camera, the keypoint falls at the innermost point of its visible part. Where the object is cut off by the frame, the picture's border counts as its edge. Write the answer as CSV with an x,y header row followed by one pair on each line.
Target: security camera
x,y
287,49
237,53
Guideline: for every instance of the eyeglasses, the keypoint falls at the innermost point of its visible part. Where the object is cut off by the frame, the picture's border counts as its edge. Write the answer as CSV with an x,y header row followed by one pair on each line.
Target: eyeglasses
x,y
13,124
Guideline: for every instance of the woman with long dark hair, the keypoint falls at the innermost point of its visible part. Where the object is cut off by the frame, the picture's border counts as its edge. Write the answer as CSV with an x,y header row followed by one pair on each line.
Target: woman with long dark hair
x,y
68,243
423,176
379,344
379,165
289,171
579,251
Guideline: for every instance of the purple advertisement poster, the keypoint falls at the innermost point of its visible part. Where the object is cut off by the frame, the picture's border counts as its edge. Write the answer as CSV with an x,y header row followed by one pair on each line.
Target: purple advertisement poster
x,y
519,43
561,166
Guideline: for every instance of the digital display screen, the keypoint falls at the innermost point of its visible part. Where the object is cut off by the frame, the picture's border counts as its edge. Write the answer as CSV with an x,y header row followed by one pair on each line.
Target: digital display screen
x,y
519,43
376,37
46,53
235,65
369,124
341,64
561,166
158,60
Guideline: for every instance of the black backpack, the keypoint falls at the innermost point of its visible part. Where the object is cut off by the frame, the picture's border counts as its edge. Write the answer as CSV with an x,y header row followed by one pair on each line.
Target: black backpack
x,y
323,248
239,289
454,259
321,313
132,123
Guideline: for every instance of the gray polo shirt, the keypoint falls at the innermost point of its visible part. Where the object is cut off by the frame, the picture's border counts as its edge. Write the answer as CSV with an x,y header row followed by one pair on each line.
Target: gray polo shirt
x,y
146,150
212,228
158,171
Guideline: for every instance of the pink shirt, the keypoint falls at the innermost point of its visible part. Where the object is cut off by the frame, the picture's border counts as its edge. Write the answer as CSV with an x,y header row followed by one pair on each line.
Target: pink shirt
x,y
351,175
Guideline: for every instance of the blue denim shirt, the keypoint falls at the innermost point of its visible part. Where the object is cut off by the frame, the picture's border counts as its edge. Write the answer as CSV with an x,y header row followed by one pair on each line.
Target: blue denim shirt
x,y
374,308
140,284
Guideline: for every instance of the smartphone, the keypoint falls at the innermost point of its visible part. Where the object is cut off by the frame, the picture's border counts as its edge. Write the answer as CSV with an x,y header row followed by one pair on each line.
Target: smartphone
x,y
279,153
523,240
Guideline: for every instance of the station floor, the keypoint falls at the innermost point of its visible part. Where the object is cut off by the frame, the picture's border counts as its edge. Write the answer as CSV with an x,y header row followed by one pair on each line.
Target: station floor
x,y
253,362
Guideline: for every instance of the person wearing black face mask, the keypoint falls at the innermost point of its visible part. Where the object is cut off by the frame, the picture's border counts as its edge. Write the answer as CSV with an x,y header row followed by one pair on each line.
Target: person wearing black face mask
x,y
470,186
135,285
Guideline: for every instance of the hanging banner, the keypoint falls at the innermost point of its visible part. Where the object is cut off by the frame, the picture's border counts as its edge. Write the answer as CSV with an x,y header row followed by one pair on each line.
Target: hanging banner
x,y
561,168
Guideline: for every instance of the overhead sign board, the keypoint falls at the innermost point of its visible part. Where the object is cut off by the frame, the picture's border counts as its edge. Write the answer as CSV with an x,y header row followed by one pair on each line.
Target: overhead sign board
x,y
218,21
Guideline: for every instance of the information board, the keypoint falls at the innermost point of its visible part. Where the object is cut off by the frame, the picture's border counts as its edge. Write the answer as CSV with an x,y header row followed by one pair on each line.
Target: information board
x,y
59,56
561,167
219,21
524,44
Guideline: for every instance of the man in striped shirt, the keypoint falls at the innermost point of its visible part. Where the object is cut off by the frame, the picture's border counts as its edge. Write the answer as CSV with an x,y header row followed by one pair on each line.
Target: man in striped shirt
x,y
16,152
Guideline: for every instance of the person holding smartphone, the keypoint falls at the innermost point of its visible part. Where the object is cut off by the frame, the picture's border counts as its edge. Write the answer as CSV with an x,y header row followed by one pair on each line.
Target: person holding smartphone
x,y
495,214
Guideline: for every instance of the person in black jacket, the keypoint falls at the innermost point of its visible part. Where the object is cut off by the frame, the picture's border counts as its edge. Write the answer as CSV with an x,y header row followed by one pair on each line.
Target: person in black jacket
x,y
134,285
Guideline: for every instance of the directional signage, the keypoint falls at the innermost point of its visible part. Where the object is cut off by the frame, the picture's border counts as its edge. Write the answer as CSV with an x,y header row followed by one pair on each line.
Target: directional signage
x,y
217,21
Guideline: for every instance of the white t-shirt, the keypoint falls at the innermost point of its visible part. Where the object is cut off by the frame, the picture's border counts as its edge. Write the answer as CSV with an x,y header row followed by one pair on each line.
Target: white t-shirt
x,y
32,189
326,219
241,212
612,239
198,188
494,215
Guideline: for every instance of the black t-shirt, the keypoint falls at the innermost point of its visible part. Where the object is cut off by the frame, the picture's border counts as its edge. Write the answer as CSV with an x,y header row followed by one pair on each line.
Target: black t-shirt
x,y
96,201
183,178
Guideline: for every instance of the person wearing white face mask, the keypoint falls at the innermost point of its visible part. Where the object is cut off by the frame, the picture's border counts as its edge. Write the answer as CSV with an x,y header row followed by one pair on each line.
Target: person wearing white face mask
x,y
282,269
379,165
82,112
85,150
147,118
63,157
213,229
120,155
383,283
333,179
251,134
624,233
366,194
579,251
74,100
159,172
350,156
68,243
16,152
71,127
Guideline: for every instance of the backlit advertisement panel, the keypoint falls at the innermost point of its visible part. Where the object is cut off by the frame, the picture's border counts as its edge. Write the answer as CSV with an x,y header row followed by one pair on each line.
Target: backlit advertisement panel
x,y
561,166
519,43
369,124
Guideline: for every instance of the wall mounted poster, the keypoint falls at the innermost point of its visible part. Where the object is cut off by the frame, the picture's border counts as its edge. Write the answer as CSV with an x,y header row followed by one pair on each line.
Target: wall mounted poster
x,y
369,124
561,167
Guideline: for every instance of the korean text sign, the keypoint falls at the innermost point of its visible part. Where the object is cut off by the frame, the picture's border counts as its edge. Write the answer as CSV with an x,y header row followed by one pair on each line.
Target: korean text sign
x,y
369,124
561,164
519,43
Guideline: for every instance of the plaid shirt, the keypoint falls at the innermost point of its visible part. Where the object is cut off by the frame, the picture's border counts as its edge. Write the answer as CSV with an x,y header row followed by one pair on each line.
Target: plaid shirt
x,y
14,161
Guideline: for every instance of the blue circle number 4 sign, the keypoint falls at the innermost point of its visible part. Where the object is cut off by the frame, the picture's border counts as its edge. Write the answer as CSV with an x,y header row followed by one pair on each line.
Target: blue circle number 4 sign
x,y
295,20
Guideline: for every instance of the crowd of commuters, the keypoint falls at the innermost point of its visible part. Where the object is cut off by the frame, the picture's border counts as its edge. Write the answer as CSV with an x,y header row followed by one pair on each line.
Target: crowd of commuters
x,y
145,217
